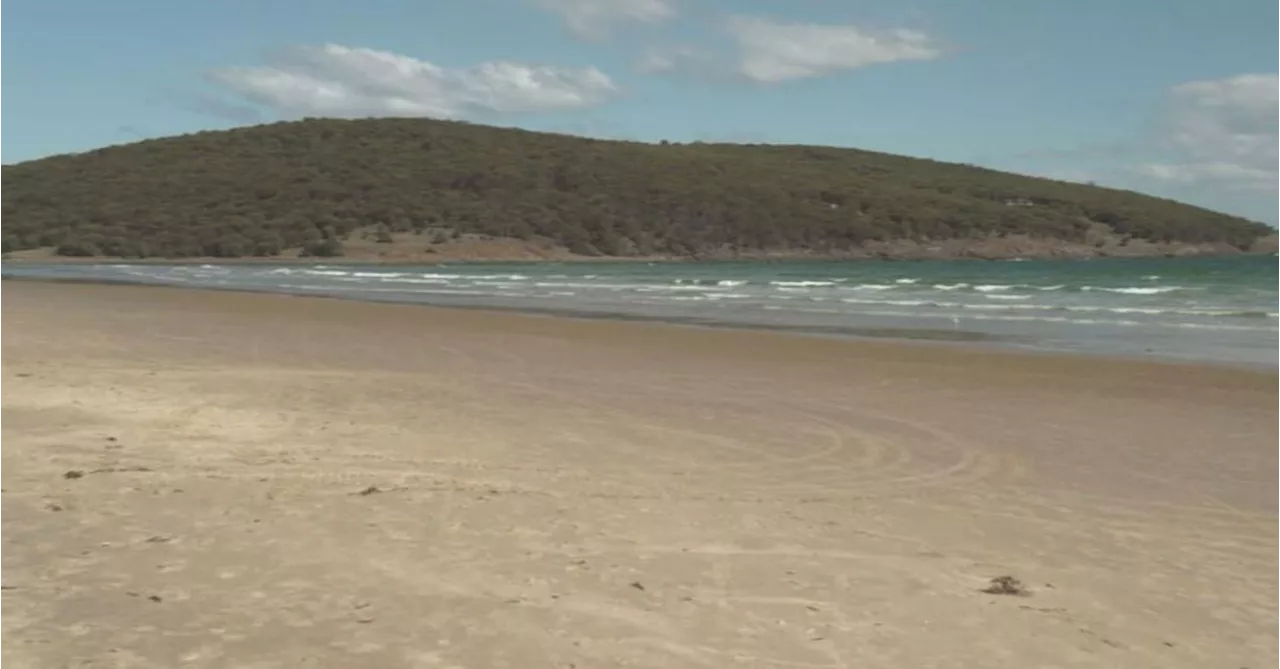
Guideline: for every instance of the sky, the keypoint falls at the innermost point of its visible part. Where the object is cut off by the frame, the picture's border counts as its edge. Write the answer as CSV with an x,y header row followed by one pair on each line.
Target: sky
x,y
1177,98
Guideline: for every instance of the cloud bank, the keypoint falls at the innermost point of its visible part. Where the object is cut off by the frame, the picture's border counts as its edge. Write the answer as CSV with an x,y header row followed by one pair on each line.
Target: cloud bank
x,y
336,80
772,51
1223,132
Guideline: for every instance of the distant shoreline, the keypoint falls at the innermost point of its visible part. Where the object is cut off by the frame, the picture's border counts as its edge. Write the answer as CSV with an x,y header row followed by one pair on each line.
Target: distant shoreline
x,y
430,260
904,336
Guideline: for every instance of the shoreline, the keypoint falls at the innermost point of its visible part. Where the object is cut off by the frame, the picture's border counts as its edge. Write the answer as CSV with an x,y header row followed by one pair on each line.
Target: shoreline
x,y
962,341
429,261
884,252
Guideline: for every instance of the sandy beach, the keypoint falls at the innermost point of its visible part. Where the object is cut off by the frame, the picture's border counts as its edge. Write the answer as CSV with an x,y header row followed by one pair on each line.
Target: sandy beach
x,y
205,479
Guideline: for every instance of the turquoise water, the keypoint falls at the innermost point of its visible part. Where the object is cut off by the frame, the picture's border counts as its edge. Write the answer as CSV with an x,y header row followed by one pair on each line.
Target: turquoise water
x,y
1210,309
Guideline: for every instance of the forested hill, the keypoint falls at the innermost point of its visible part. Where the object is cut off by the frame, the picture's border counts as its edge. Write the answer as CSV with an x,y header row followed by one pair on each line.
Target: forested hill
x,y
317,184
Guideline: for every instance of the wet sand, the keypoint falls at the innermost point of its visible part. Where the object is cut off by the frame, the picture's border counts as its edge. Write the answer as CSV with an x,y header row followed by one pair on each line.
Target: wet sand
x,y
218,479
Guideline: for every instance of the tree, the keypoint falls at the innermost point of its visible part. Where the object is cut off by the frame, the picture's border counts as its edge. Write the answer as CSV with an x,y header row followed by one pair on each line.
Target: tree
x,y
258,190
77,247
330,247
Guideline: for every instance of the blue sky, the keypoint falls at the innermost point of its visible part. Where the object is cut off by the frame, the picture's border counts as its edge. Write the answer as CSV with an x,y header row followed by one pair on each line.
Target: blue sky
x,y
1171,97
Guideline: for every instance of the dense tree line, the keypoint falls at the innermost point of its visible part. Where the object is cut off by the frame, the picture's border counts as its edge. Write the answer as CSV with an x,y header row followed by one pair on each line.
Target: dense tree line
x,y
307,185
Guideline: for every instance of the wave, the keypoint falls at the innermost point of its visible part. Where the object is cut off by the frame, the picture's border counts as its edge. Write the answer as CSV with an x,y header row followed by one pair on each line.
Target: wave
x,y
469,277
1066,320
437,282
896,303
1134,290
723,283
372,289
1146,311
1152,311
1002,287
801,284
498,284
909,285
564,284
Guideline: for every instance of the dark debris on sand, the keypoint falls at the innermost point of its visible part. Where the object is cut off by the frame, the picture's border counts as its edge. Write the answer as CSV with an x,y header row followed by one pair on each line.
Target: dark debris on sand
x,y
1006,585
80,473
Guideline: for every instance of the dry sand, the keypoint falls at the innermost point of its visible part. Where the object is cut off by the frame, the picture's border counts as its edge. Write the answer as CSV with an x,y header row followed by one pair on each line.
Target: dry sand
x,y
554,493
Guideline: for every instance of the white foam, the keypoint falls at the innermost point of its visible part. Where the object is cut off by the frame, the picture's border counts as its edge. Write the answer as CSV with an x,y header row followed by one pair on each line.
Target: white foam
x,y
892,303
508,277
906,281
649,288
438,282
1059,308
1134,290
950,286
801,284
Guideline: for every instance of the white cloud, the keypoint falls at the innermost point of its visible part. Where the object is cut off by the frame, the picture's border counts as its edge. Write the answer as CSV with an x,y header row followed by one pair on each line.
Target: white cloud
x,y
774,51
594,19
334,80
1223,132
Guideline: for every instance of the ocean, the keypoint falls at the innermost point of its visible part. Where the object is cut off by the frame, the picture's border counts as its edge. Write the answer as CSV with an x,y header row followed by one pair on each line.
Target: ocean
x,y
1202,309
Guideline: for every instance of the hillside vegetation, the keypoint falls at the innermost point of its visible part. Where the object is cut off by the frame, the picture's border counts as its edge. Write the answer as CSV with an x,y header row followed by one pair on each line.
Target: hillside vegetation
x,y
309,185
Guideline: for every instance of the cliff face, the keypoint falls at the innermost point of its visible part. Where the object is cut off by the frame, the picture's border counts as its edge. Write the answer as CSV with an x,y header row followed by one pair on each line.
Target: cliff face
x,y
330,187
